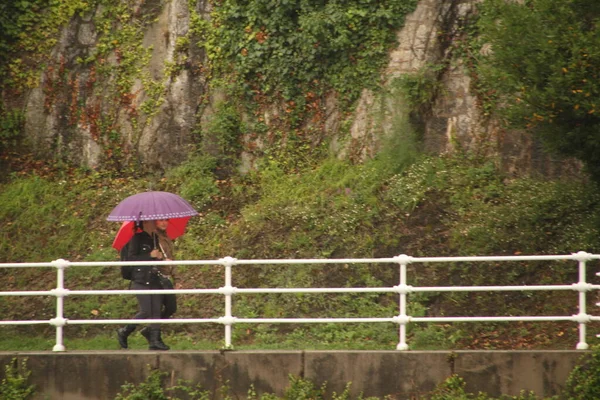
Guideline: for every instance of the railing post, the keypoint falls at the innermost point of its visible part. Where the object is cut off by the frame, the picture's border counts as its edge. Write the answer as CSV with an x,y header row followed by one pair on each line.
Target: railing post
x,y
228,288
60,292
582,287
403,260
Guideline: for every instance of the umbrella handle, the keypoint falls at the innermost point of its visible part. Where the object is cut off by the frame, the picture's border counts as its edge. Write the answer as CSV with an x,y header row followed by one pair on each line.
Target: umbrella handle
x,y
165,256
157,245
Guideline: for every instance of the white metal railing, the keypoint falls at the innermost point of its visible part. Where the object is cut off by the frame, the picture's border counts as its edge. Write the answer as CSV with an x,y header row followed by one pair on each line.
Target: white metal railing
x,y
228,291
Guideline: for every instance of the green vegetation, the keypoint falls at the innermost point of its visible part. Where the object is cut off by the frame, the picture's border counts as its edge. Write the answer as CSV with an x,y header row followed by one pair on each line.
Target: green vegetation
x,y
298,50
549,82
284,59
153,388
421,87
15,384
454,389
260,53
457,205
299,201
11,127
29,32
581,384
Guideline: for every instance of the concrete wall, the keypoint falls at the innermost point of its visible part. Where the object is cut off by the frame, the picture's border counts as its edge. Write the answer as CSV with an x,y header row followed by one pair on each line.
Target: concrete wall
x,y
403,375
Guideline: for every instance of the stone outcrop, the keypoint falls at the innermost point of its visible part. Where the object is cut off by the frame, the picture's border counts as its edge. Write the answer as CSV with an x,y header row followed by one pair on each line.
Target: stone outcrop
x,y
156,136
455,118
175,85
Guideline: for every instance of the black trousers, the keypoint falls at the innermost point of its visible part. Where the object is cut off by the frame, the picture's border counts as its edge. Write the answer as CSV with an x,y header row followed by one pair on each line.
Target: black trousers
x,y
150,305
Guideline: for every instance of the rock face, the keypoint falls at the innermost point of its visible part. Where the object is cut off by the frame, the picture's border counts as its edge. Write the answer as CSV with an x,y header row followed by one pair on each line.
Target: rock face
x,y
153,121
73,116
454,119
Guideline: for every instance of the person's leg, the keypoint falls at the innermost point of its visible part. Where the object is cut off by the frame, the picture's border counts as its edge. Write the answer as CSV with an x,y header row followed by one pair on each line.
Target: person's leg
x,y
145,305
155,340
123,333
143,313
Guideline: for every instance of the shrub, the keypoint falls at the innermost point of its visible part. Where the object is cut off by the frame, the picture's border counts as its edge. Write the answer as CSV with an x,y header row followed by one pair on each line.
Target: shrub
x,y
584,380
14,385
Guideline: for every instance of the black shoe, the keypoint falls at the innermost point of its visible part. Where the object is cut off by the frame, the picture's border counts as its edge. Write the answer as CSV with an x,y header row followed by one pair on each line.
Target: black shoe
x,y
155,341
123,334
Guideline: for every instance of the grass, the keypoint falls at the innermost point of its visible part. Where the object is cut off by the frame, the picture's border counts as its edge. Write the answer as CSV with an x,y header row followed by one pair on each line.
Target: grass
x,y
176,341
456,205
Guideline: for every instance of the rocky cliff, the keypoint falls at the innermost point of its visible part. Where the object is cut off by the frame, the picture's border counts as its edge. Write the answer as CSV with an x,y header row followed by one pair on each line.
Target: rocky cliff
x,y
133,85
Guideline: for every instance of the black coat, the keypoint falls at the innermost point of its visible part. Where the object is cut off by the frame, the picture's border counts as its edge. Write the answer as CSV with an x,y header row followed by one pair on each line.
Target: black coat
x,y
140,246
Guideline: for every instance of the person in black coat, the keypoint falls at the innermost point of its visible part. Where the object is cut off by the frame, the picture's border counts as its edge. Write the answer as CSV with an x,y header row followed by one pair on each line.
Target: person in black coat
x,y
142,247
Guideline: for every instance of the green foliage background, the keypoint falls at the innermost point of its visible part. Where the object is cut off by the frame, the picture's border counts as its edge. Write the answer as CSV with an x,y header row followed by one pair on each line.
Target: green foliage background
x,y
301,201
547,83
290,48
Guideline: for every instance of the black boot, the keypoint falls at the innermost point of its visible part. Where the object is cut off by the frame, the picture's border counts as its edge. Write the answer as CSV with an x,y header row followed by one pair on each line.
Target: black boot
x,y
156,342
146,333
123,334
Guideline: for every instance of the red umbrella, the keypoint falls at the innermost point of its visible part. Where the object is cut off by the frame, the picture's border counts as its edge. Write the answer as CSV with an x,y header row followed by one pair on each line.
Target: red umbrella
x,y
175,229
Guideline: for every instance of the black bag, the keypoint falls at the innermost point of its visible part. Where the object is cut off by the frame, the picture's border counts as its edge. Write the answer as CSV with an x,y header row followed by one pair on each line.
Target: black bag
x,y
165,282
126,270
169,300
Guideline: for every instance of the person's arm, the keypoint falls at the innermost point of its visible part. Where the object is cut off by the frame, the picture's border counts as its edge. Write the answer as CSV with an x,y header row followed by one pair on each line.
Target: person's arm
x,y
168,270
156,253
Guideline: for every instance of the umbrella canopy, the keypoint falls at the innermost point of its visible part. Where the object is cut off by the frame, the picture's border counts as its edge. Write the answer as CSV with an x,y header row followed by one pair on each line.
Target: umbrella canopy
x,y
175,229
148,206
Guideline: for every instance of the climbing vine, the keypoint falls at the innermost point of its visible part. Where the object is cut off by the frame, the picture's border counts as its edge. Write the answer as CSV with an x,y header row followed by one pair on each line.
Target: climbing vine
x,y
29,32
286,55
298,50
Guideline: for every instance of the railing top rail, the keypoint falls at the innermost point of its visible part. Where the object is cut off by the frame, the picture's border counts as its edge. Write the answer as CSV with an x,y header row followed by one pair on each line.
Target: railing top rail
x,y
581,256
26,265
575,257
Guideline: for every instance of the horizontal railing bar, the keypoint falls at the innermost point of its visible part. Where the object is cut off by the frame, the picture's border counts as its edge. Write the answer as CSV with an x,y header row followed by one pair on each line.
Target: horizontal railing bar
x,y
149,291
29,293
237,320
492,319
142,321
235,290
233,261
142,263
308,320
503,258
315,290
318,261
26,265
524,288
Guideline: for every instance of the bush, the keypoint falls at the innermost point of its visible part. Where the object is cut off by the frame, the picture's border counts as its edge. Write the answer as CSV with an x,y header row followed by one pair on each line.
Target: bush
x,y
14,385
549,82
584,380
